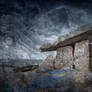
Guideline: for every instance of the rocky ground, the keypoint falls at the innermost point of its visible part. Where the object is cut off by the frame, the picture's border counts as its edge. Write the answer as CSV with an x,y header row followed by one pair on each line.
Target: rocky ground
x,y
64,80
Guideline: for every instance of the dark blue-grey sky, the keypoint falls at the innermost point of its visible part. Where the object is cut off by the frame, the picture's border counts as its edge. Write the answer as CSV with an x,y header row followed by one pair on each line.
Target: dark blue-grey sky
x,y
26,24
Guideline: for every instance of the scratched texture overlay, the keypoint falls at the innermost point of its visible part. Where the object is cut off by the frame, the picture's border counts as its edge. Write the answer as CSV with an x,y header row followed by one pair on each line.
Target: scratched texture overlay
x,y
27,24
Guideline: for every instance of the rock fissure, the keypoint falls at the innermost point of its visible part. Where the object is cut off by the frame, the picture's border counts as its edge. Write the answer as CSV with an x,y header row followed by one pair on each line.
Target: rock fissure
x,y
73,46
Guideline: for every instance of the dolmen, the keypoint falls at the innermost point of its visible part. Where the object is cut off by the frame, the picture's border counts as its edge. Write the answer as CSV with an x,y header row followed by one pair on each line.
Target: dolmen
x,y
73,50
69,71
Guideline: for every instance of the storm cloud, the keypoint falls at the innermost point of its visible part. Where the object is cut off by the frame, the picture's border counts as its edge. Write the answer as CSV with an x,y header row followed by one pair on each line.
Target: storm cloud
x,y
27,24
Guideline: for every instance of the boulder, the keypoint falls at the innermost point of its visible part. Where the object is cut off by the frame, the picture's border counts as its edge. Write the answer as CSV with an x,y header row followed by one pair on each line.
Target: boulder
x,y
47,64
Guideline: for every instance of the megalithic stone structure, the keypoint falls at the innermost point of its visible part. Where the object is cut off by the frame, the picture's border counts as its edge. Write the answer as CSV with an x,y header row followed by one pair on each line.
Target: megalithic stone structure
x,y
74,50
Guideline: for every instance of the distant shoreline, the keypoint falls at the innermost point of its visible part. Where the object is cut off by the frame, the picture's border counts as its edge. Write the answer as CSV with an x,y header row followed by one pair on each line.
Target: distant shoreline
x,y
19,62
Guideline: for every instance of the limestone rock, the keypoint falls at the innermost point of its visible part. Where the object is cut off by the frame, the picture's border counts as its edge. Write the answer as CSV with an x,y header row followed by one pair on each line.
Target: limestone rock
x,y
64,57
47,64
81,56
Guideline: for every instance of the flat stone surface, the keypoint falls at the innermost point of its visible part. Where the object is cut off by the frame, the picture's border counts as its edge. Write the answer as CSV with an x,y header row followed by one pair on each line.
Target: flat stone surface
x,y
81,56
64,57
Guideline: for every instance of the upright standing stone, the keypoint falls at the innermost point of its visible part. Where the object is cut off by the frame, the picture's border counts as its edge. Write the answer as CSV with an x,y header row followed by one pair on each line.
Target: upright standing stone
x,y
81,55
64,57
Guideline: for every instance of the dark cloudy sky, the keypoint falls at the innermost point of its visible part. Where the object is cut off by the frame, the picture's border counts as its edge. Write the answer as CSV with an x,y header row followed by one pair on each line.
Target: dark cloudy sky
x,y
27,24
